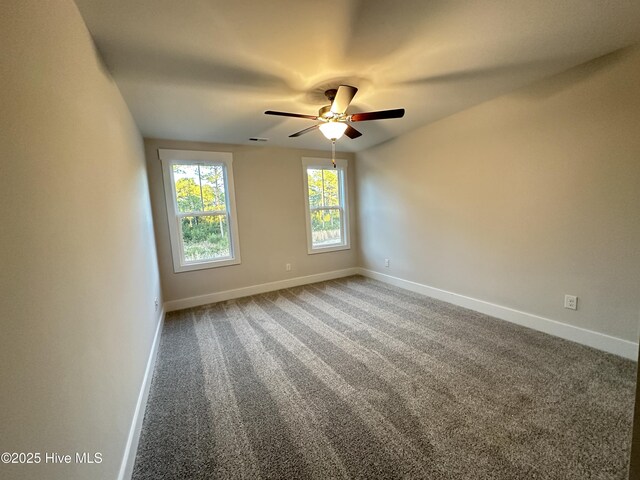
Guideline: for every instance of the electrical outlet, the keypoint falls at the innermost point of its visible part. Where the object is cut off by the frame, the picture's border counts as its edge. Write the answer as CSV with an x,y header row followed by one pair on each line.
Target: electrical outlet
x,y
156,302
571,302
287,267
386,262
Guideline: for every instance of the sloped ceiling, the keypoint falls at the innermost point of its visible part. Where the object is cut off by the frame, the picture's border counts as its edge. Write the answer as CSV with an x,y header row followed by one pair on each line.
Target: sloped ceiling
x,y
208,69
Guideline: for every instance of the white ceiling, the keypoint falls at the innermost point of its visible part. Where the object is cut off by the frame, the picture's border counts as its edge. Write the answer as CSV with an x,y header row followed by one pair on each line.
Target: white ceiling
x,y
208,69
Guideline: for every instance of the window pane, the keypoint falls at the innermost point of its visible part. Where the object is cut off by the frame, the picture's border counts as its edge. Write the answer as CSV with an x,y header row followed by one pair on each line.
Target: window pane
x,y
213,193
331,188
314,179
188,192
205,237
326,227
323,187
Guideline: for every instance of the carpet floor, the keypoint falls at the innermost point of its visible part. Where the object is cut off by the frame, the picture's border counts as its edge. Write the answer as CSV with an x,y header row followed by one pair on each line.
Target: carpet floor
x,y
354,378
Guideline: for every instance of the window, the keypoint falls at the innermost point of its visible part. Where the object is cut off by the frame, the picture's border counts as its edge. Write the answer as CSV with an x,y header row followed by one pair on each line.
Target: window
x,y
201,209
326,205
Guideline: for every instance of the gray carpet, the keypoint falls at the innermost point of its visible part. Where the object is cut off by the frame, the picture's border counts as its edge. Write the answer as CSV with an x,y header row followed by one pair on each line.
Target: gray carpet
x,y
357,379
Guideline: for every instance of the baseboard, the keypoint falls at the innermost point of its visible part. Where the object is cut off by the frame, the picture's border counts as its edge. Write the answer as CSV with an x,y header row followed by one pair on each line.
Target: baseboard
x,y
189,302
129,457
601,341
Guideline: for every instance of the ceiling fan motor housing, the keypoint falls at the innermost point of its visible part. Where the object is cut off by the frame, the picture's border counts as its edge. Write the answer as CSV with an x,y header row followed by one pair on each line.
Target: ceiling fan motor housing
x,y
325,112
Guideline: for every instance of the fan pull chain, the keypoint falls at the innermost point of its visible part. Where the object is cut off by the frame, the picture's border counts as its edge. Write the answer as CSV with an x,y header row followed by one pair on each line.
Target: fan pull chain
x,y
333,153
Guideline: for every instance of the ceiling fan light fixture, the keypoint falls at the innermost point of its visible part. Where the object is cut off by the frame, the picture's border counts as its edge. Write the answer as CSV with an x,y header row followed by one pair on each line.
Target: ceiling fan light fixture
x,y
333,130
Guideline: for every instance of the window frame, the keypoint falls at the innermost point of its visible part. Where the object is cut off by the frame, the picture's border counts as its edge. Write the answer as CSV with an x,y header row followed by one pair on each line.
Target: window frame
x,y
169,158
343,202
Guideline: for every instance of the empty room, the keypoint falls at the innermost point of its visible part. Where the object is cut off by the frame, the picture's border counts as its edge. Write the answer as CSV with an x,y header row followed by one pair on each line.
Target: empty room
x,y
295,239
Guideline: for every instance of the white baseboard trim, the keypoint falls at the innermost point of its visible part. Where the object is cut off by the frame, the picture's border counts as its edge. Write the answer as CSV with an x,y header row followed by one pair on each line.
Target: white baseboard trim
x,y
189,302
601,341
129,457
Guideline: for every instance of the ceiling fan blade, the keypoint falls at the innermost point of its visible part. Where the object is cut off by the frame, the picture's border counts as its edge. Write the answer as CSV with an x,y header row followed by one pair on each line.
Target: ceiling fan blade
x,y
343,98
352,132
382,114
287,114
302,132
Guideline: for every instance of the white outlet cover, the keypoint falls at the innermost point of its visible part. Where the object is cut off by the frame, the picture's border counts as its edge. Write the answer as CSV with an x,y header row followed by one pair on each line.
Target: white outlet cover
x,y
571,302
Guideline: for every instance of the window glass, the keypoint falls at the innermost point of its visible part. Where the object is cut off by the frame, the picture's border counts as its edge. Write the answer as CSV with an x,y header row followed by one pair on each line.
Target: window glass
x,y
205,237
326,228
187,185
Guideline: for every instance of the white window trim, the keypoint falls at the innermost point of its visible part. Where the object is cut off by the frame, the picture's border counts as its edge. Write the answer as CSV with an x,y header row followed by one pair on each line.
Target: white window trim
x,y
311,162
195,157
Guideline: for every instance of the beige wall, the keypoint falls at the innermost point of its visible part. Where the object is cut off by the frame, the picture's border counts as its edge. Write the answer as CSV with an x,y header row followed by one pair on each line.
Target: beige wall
x,y
78,265
271,220
520,200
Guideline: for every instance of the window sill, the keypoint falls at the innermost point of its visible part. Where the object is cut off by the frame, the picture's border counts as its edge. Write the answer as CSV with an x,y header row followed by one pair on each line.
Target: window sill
x,y
190,267
335,248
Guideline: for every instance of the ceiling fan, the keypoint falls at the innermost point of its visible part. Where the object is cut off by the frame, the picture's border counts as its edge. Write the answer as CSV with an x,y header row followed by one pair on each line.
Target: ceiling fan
x,y
334,121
